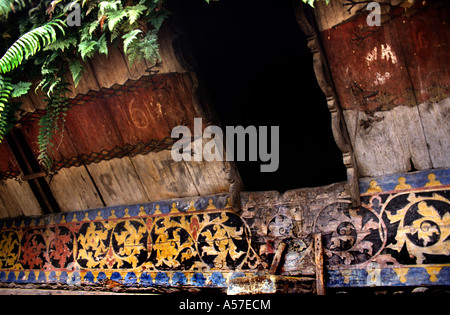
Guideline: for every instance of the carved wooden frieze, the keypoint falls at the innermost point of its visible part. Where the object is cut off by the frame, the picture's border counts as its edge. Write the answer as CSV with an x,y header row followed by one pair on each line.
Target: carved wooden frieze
x,y
398,236
196,242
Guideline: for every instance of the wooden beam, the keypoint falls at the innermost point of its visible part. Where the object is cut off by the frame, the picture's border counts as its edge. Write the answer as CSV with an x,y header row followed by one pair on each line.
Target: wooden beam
x,y
30,168
277,258
33,176
318,254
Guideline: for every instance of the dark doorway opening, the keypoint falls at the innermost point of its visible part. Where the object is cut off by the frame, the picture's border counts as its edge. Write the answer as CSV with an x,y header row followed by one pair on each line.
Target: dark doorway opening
x,y
254,60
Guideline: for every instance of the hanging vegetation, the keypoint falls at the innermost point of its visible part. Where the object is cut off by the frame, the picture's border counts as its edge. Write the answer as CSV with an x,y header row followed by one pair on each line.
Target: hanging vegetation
x,y
46,39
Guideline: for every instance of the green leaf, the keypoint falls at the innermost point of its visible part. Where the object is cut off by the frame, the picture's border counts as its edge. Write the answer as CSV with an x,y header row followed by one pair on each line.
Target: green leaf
x,y
135,12
62,43
103,45
20,89
29,44
114,18
76,69
129,38
87,49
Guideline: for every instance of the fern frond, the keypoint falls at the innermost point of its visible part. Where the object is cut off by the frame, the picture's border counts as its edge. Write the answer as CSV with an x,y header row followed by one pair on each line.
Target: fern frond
x,y
87,49
6,6
20,89
6,90
134,12
149,47
108,6
52,121
103,45
76,69
129,38
29,44
61,43
114,18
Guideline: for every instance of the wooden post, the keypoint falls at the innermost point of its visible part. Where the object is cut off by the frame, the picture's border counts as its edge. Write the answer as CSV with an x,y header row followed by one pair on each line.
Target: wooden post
x,y
318,254
277,258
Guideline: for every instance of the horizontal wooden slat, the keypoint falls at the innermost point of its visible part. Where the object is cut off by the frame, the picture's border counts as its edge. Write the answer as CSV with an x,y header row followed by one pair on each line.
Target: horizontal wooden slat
x,y
18,200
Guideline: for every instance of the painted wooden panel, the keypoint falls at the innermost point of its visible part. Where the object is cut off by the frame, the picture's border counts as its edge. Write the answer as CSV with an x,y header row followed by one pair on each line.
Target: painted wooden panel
x,y
368,67
104,71
63,143
195,242
134,117
91,129
393,84
399,236
425,40
123,124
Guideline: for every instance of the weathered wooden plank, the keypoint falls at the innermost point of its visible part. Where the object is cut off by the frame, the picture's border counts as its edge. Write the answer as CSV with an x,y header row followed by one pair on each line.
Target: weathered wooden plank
x,y
118,182
91,128
335,12
214,173
368,66
390,67
63,144
435,117
138,116
87,83
111,69
319,261
425,38
3,210
18,199
164,178
277,258
137,69
74,190
132,118
386,142
169,61
176,97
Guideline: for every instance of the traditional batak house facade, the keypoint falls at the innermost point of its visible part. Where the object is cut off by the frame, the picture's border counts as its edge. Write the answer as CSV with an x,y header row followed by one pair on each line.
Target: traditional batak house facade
x,y
116,211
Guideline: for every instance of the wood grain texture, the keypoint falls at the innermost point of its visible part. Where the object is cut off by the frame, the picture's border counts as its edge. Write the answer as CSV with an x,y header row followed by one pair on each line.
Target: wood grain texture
x,y
118,182
17,200
435,117
74,190
319,261
393,83
386,142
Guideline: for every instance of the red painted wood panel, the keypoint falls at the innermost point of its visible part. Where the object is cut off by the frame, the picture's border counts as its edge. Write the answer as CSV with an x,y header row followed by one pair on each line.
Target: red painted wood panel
x,y
8,164
426,38
378,68
368,69
91,128
136,116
